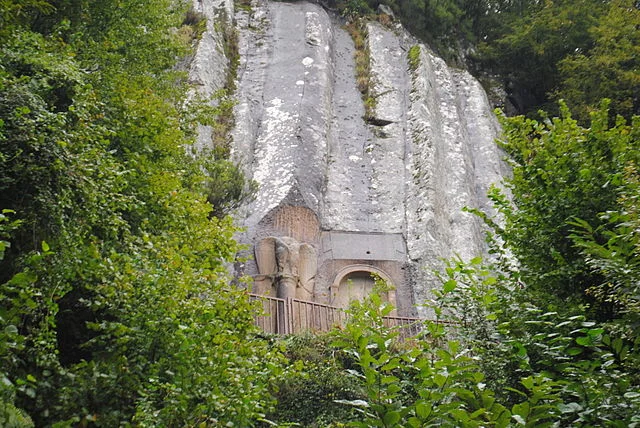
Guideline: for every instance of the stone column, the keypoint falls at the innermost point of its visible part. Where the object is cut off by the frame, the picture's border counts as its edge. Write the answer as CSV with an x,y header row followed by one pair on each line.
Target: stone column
x,y
287,261
266,261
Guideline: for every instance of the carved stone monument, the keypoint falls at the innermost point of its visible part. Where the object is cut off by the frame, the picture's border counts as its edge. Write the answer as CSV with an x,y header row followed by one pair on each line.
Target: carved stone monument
x,y
286,267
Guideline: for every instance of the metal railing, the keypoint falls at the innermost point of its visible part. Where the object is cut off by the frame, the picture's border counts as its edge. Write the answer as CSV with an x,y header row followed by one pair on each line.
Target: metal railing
x,y
288,316
407,326
292,316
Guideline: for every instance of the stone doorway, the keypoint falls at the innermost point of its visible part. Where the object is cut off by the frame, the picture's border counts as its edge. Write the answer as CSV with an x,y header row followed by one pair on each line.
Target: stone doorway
x,y
355,282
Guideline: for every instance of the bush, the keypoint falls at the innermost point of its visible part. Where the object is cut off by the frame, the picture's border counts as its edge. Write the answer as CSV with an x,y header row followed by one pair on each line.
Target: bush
x,y
315,381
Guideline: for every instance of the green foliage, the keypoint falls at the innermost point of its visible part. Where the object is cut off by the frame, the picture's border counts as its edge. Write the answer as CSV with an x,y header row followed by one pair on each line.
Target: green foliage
x,y
413,56
613,249
444,24
227,188
115,303
571,232
568,370
18,12
490,358
527,52
428,382
314,381
609,69
125,314
358,32
561,171
354,9
580,52
193,25
497,361
542,51
12,417
6,228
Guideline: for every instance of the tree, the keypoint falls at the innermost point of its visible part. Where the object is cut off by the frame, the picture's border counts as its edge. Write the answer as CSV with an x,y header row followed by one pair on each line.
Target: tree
x,y
613,249
561,171
610,69
115,303
528,52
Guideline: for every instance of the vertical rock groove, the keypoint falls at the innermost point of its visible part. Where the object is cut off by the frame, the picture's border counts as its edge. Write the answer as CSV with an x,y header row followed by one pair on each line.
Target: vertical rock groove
x,y
399,179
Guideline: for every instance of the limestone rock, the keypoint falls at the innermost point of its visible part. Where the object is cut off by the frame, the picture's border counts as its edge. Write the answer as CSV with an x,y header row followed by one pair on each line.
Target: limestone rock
x,y
328,177
383,8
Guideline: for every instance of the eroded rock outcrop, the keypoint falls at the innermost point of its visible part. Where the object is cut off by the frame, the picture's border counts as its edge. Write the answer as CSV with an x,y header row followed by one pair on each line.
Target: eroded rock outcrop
x,y
383,195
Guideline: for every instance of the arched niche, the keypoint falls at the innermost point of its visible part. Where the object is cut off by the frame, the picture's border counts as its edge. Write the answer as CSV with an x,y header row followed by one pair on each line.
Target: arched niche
x,y
297,222
355,282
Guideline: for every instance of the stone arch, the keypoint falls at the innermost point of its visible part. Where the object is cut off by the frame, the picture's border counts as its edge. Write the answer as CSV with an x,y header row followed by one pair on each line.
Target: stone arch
x,y
362,284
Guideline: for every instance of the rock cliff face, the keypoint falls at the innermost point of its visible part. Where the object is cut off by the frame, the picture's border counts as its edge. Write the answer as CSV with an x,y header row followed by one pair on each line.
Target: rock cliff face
x,y
340,196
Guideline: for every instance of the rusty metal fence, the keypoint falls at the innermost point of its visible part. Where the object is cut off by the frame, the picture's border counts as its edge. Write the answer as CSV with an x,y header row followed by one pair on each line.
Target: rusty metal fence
x,y
293,316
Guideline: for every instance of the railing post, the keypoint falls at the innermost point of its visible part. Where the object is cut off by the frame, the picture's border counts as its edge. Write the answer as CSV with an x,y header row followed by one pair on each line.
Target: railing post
x,y
290,316
281,317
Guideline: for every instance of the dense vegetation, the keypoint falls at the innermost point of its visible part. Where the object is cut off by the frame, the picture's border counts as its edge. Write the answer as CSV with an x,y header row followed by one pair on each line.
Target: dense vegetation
x,y
492,358
115,302
541,51
116,307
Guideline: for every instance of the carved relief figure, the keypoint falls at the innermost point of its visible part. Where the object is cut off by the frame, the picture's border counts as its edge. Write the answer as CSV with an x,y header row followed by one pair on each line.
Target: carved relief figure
x,y
287,268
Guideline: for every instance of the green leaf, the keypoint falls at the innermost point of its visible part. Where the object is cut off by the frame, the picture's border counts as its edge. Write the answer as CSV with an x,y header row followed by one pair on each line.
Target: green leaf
x,y
388,379
449,285
502,416
414,422
491,280
595,332
393,389
573,351
584,341
391,365
617,345
440,380
521,409
11,329
391,418
477,413
423,410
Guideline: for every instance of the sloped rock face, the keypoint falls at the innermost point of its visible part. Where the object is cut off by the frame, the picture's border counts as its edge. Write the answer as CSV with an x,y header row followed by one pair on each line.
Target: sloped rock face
x,y
452,163
209,67
383,195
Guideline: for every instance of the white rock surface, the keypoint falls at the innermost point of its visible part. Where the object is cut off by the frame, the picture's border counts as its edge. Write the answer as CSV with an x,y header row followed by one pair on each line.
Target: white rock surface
x,y
428,152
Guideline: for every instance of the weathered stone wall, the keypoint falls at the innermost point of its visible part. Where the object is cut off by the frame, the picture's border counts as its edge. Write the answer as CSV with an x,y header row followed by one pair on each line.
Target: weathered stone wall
x,y
387,193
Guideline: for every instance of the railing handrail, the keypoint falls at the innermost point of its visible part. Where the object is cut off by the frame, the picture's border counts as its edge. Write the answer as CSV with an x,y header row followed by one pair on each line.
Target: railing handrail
x,y
396,317
306,302
290,315
262,296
